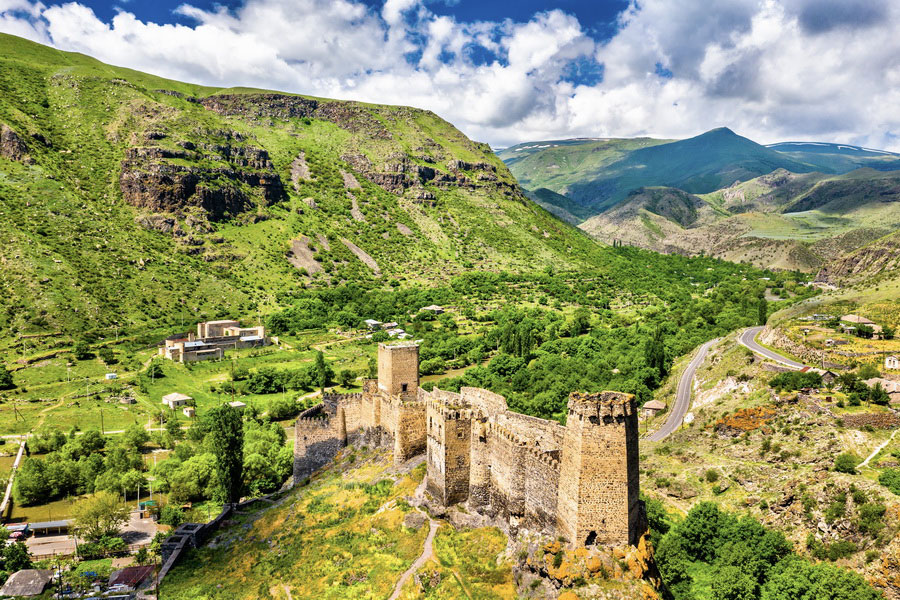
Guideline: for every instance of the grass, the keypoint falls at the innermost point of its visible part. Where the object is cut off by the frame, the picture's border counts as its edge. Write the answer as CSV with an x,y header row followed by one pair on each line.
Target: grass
x,y
326,540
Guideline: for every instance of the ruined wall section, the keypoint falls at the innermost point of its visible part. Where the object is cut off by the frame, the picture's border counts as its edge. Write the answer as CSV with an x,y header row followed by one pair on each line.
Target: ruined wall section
x,y
547,435
317,440
507,481
487,402
541,490
409,429
598,489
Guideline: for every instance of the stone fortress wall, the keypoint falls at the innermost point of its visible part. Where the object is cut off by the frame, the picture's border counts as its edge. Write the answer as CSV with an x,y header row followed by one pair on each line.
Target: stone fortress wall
x,y
579,481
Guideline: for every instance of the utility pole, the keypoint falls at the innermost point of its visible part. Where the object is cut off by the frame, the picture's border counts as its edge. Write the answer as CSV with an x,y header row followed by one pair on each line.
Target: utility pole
x,y
102,429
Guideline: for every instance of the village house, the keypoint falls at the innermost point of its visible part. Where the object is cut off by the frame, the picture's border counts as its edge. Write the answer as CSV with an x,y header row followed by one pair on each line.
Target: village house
x,y
174,400
892,362
211,341
651,408
27,583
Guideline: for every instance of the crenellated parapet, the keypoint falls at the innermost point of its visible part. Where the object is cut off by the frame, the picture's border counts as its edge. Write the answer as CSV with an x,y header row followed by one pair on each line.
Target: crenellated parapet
x,y
602,405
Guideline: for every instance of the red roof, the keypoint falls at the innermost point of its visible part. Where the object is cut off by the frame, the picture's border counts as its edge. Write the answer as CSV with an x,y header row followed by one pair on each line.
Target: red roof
x,y
130,576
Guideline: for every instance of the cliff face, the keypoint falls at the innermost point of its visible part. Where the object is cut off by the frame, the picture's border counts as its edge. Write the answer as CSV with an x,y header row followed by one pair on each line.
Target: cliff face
x,y
879,257
223,179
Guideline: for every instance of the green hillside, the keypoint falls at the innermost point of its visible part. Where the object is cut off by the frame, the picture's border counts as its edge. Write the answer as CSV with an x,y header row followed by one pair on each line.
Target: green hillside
x,y
129,199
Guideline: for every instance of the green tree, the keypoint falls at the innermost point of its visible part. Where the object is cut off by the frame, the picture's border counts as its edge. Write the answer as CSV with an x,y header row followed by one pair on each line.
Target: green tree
x,y
107,355
889,478
846,463
15,557
655,352
322,373
101,515
6,379
346,377
732,583
135,437
82,350
762,312
227,442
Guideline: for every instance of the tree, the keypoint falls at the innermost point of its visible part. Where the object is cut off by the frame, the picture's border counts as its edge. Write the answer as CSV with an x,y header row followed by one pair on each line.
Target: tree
x,y
135,437
15,557
846,463
762,312
107,356
655,353
227,441
878,395
346,377
82,350
322,373
6,379
142,557
101,515
732,583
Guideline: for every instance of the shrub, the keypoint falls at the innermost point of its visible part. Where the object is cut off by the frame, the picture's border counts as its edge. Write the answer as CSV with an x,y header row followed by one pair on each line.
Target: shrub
x,y
846,463
890,478
712,475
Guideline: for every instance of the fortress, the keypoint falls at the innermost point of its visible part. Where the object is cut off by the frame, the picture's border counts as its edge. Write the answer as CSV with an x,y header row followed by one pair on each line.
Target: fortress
x,y
578,481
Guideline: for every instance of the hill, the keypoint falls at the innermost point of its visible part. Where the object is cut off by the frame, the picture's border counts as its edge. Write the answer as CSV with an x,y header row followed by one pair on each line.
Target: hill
x,y
128,198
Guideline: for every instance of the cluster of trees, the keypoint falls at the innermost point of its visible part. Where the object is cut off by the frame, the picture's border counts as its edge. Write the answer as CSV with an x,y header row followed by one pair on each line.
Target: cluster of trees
x,y
750,562
224,457
81,464
269,380
13,557
858,391
795,380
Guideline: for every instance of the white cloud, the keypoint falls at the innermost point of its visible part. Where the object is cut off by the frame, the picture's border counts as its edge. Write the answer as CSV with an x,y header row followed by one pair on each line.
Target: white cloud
x,y
769,69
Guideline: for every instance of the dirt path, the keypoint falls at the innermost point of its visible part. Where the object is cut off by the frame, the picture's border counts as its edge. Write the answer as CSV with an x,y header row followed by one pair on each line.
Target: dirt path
x,y
865,463
427,553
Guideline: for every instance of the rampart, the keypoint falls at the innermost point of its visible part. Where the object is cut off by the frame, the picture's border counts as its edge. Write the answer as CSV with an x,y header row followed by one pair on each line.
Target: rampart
x,y
578,481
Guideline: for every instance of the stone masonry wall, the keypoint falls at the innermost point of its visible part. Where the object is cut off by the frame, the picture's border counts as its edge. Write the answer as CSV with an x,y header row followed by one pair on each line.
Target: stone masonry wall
x,y
541,490
409,430
598,489
398,368
316,442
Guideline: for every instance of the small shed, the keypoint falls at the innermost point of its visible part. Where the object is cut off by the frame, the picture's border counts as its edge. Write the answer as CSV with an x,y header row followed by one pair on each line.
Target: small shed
x,y
829,377
130,578
651,408
238,405
51,527
28,582
174,400
189,411
112,376
127,400
438,310
372,323
892,362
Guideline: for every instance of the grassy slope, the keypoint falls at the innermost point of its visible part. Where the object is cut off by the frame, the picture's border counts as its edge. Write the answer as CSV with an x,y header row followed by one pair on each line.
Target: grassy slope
x,y
334,539
73,257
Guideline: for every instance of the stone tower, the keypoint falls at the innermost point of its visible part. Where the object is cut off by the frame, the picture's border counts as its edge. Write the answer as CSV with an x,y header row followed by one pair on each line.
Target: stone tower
x,y
598,483
398,369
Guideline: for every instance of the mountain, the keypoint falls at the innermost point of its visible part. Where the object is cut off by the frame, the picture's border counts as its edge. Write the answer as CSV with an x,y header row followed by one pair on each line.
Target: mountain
x,y
793,205
782,220
129,199
838,158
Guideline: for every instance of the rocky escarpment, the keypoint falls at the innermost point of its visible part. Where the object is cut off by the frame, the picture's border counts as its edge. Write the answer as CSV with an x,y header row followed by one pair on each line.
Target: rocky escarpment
x,y
223,178
351,116
399,172
881,256
12,146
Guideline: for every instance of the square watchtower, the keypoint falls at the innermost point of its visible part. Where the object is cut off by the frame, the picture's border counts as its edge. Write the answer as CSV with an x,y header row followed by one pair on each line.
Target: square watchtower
x,y
398,368
599,480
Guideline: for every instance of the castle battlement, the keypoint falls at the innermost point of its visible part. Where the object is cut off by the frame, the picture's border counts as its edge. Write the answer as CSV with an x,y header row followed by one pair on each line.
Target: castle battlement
x,y
578,481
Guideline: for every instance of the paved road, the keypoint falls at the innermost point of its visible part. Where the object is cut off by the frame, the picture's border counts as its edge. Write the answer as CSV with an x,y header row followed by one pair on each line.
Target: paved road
x,y
748,339
683,396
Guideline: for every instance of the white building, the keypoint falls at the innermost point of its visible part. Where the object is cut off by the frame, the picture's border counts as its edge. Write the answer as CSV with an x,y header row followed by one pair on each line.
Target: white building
x,y
174,400
892,362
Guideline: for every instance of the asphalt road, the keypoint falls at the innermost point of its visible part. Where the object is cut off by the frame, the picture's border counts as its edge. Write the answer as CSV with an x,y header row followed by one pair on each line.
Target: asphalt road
x,y
682,397
748,339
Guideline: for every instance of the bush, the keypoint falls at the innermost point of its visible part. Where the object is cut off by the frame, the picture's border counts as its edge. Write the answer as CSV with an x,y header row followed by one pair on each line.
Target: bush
x,y
890,478
712,475
846,463
171,515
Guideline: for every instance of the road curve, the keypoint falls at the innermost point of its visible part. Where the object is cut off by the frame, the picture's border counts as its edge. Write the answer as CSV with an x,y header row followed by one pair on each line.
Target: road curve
x,y
682,396
748,339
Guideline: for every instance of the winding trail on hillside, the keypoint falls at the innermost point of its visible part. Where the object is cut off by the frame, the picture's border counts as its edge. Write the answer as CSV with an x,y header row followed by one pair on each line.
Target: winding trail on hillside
x,y
865,463
427,553
748,339
682,396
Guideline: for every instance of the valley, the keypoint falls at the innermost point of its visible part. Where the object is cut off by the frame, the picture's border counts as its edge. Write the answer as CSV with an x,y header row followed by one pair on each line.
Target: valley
x,y
271,345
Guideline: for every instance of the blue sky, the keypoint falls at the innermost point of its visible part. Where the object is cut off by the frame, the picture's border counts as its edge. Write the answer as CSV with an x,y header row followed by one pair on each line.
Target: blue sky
x,y
506,72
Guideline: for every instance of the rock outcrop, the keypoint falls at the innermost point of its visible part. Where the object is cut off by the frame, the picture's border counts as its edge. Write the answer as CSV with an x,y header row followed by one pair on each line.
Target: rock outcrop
x,y
222,179
12,146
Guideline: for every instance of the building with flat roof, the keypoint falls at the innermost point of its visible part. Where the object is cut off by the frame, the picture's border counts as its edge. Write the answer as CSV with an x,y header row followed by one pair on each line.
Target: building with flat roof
x,y
892,362
211,341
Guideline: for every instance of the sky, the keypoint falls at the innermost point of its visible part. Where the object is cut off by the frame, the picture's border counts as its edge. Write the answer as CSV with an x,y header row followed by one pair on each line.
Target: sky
x,y
525,70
